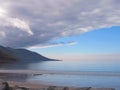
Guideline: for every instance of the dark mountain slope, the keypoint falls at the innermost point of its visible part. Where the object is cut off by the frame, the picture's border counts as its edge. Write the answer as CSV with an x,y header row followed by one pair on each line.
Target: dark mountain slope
x,y
5,58
8,54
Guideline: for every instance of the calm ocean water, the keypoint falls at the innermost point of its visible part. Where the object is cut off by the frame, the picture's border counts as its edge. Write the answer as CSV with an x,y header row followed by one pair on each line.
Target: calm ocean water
x,y
79,80
98,73
109,66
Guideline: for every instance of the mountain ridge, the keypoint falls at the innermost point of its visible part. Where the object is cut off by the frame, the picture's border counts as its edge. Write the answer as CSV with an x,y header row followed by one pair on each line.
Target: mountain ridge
x,y
8,55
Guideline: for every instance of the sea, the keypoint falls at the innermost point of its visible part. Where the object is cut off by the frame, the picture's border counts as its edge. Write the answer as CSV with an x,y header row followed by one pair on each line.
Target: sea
x,y
78,73
98,74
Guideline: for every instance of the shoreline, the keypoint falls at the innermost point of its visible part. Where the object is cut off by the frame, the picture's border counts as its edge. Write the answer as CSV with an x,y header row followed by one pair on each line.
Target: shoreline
x,y
27,84
41,72
32,86
17,77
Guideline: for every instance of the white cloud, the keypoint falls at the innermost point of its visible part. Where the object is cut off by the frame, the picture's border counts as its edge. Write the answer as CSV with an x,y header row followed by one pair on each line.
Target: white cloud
x,y
15,22
46,46
8,21
49,45
72,43
2,12
35,22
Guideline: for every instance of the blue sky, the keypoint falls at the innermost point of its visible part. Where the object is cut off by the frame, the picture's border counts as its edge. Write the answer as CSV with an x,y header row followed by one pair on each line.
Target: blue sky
x,y
101,41
61,28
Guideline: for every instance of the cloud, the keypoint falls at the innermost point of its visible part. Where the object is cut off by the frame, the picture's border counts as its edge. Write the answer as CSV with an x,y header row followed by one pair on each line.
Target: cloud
x,y
28,23
8,21
45,46
2,12
2,34
72,43
15,22
49,45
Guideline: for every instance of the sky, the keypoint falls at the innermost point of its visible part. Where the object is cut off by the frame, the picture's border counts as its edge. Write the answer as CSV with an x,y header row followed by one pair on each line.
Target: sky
x,y
63,29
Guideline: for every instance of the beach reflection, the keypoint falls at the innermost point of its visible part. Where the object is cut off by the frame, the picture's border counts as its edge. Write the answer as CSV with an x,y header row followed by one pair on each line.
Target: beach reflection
x,y
17,77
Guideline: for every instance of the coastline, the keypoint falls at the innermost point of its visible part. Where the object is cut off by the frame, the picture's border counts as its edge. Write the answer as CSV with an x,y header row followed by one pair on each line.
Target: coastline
x,y
41,72
32,86
27,84
18,78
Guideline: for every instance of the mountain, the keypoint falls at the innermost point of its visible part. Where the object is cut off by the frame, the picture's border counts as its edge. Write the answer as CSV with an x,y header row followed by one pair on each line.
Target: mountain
x,y
11,55
5,58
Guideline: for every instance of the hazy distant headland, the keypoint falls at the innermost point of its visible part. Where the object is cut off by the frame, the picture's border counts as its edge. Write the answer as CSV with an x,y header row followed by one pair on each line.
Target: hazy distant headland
x,y
10,55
